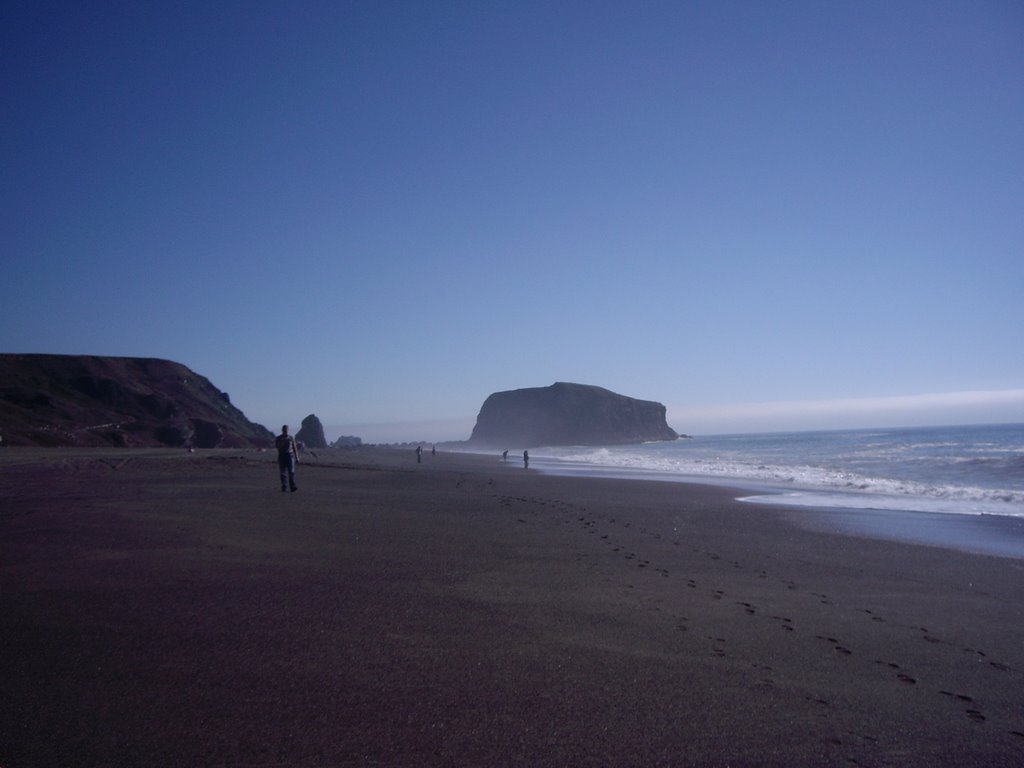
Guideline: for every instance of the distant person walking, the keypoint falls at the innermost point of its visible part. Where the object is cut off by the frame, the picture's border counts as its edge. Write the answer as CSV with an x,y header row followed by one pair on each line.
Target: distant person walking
x,y
419,454
526,459
287,458
504,455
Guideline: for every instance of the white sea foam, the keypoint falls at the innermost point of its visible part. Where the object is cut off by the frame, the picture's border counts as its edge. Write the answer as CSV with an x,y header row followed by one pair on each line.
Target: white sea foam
x,y
852,470
962,502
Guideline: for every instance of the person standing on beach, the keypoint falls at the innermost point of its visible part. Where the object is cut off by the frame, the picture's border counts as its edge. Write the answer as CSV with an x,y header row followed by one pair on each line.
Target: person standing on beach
x,y
526,459
287,458
419,454
504,455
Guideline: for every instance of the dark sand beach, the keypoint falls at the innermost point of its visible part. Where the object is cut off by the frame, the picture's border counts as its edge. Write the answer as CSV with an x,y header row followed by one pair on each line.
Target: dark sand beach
x,y
161,608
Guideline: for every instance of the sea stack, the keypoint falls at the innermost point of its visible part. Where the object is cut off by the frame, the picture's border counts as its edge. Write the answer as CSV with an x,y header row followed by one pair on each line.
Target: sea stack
x,y
311,433
568,414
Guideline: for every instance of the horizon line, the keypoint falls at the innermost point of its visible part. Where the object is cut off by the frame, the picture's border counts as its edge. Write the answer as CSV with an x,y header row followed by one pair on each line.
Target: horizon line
x,y
936,409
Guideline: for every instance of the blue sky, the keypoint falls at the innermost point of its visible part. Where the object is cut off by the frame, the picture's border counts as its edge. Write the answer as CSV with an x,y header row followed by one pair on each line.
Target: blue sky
x,y
765,215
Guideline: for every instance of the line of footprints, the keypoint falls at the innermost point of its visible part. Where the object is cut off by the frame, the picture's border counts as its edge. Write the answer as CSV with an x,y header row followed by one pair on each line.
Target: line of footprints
x,y
575,514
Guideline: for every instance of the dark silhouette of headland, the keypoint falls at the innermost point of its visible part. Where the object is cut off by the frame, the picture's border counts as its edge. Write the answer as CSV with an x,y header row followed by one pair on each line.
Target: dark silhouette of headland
x,y
87,400
568,414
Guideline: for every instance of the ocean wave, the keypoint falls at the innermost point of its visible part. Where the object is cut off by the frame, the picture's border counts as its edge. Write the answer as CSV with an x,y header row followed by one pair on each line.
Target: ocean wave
x,y
982,504
802,484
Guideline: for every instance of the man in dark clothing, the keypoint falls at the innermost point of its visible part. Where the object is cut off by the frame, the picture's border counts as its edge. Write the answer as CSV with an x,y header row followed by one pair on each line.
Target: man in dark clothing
x,y
287,458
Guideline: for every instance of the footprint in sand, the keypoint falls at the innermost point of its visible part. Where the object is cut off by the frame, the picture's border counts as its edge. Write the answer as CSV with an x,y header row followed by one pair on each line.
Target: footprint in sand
x,y
962,697
785,623
836,646
879,619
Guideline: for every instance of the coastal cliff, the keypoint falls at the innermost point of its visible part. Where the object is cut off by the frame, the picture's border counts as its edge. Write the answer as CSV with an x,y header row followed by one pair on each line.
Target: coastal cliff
x,y
568,414
88,400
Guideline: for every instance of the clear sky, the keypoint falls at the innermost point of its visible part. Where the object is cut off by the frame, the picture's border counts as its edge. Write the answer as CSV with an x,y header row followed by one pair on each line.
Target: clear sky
x,y
766,215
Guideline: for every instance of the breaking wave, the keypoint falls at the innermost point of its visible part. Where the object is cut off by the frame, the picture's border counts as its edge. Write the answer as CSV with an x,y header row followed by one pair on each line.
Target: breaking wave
x,y
977,470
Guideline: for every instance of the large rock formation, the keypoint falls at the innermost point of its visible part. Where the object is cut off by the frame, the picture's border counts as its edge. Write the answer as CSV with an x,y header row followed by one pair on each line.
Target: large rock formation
x,y
347,441
568,414
311,433
122,401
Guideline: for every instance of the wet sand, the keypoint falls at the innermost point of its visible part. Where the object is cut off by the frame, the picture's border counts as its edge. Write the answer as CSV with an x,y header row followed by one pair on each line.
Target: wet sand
x,y
163,608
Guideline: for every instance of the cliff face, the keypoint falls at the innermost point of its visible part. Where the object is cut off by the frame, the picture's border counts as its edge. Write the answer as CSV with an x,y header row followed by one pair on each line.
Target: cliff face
x,y
568,414
122,401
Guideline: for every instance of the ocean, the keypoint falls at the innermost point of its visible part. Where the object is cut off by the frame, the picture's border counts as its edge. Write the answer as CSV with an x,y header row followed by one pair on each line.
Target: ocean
x,y
969,470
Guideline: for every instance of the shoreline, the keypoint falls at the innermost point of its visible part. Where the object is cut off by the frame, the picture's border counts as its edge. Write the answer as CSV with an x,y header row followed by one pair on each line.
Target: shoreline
x,y
177,609
981,534
955,470
977,533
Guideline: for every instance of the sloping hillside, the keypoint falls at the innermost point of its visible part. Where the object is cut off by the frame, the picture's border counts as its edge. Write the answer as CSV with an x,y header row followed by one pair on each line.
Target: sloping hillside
x,y
123,401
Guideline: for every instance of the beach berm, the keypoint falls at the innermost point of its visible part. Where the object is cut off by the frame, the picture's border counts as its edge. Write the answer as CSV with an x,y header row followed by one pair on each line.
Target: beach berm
x,y
165,608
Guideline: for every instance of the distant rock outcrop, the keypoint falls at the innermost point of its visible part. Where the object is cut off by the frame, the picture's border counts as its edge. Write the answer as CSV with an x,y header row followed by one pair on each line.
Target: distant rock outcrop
x,y
347,441
121,401
568,414
311,433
